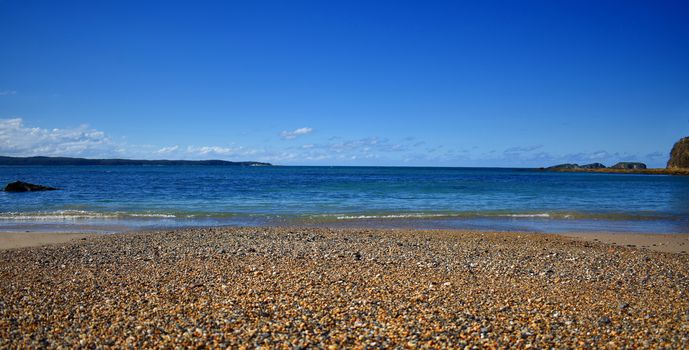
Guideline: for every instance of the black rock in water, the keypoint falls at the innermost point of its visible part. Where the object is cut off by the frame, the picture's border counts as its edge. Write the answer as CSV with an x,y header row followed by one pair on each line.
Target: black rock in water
x,y
629,165
21,186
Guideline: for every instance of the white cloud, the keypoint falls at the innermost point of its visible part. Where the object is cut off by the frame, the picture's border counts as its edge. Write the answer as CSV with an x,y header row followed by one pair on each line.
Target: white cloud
x,y
535,156
168,150
210,150
19,140
344,151
16,139
295,133
8,92
220,151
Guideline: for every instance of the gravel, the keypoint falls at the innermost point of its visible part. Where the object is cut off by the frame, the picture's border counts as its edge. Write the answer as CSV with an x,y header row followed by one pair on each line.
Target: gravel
x,y
327,288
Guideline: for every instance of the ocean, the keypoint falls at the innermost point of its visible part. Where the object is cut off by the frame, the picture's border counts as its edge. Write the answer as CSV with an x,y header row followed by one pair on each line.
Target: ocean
x,y
119,198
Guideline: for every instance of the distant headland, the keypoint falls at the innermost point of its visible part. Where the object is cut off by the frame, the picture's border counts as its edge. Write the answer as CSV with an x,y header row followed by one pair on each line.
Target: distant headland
x,y
85,161
678,164
592,166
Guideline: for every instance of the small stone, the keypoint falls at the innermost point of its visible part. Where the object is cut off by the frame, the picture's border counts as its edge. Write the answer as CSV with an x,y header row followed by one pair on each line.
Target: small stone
x,y
605,320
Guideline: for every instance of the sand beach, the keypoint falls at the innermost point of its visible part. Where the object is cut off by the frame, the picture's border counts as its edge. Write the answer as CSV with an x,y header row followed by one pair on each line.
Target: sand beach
x,y
11,240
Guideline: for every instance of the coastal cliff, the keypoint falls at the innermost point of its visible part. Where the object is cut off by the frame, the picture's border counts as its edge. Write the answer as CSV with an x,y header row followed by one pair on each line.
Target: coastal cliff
x,y
679,156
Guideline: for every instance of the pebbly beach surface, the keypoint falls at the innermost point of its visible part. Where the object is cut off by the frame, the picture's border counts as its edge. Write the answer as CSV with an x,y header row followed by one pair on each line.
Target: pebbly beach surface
x,y
341,288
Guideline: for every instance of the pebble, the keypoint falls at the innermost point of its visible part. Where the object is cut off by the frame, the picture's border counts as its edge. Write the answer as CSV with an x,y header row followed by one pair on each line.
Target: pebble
x,y
282,288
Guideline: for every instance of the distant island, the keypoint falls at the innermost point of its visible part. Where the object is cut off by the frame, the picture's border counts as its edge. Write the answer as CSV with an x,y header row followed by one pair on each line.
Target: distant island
x,y
85,161
678,164
620,165
576,166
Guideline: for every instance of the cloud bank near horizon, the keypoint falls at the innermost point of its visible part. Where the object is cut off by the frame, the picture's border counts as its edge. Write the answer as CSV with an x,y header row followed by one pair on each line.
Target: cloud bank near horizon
x,y
17,139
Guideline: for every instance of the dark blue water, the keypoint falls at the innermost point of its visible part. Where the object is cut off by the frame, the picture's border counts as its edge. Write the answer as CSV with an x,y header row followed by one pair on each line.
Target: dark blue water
x,y
503,199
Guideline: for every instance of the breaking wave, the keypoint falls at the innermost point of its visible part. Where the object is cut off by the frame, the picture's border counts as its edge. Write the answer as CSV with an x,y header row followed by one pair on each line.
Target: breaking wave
x,y
85,215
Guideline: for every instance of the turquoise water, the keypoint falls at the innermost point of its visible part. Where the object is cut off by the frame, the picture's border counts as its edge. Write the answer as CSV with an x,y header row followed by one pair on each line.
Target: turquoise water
x,y
112,198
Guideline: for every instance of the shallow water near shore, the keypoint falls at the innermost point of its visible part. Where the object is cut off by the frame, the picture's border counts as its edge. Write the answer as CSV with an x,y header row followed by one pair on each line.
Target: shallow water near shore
x,y
118,198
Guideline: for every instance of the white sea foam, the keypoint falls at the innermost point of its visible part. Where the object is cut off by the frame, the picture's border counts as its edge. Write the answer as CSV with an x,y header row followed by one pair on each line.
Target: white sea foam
x,y
75,215
441,215
154,215
56,215
390,216
538,215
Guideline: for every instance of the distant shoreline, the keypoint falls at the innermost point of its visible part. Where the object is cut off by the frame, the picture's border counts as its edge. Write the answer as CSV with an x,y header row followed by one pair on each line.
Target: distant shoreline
x,y
652,171
39,160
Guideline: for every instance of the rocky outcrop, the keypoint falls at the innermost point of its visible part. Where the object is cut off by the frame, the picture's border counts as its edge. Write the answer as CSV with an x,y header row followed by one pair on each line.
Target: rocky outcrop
x,y
564,166
577,166
629,165
679,156
593,166
20,186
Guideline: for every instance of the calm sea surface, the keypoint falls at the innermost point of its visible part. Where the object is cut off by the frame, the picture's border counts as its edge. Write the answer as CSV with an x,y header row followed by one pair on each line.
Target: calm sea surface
x,y
131,197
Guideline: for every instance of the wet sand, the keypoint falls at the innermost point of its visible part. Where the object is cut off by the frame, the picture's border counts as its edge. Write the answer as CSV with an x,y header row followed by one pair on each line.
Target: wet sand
x,y
671,243
11,240
327,288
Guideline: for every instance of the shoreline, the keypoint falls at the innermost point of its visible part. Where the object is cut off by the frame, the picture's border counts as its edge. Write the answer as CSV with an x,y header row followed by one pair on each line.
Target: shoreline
x,y
659,242
341,288
538,221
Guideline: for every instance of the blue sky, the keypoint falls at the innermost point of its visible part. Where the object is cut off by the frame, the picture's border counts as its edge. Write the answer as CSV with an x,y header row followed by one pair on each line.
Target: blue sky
x,y
461,83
